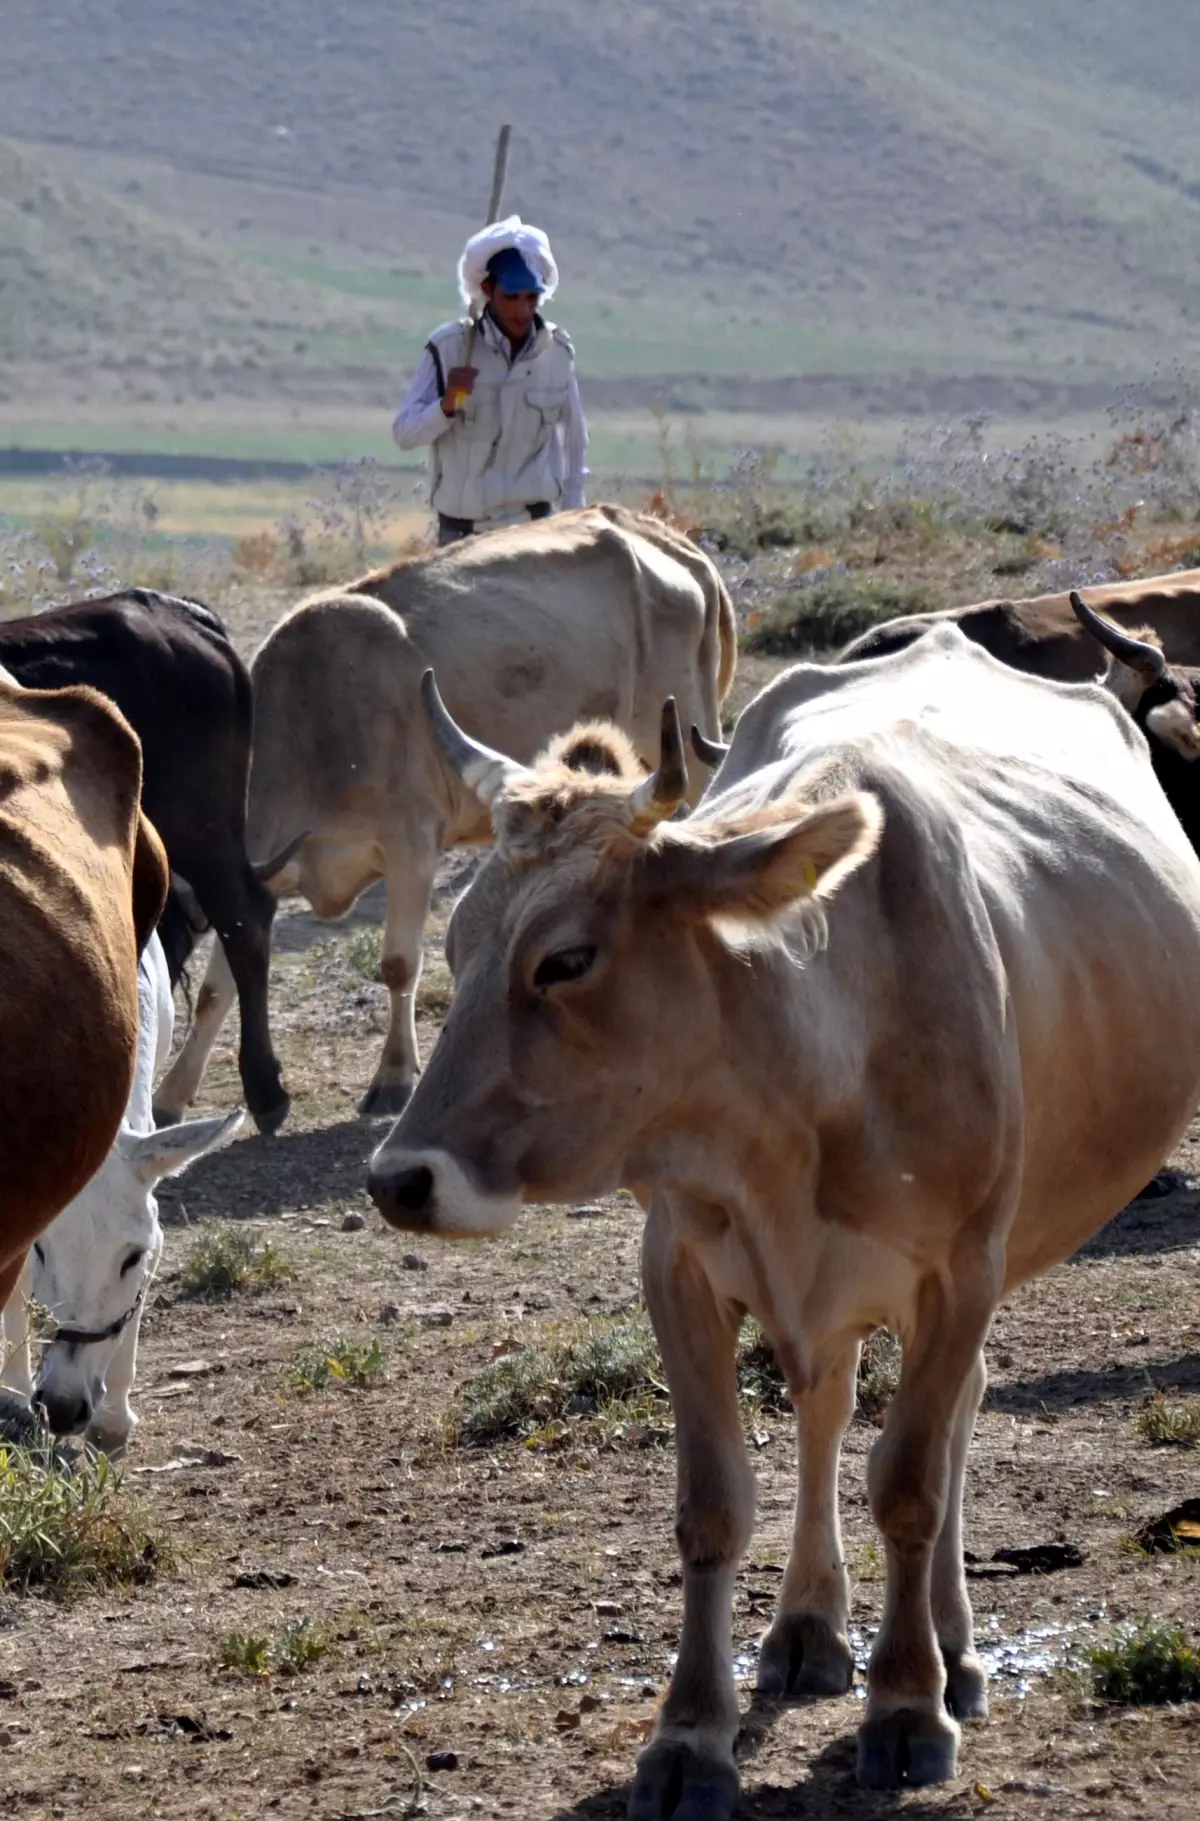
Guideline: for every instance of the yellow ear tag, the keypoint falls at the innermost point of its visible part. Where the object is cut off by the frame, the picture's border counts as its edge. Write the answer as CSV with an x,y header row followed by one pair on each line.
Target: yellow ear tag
x,y
810,875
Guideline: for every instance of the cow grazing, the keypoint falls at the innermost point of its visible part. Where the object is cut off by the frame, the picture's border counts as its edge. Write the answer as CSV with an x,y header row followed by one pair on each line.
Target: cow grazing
x,y
169,666
83,880
894,1021
92,1266
593,613
1043,634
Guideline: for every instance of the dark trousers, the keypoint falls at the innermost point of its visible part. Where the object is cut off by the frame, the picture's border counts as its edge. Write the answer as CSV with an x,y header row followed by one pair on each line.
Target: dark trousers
x,y
451,530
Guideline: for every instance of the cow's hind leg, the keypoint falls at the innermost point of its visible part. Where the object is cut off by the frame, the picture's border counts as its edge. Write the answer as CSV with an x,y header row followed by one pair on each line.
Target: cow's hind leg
x,y
908,1736
807,1650
411,865
214,1002
966,1680
687,1771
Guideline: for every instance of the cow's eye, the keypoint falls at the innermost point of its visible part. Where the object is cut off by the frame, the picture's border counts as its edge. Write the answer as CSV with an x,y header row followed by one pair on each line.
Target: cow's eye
x,y
135,1258
564,965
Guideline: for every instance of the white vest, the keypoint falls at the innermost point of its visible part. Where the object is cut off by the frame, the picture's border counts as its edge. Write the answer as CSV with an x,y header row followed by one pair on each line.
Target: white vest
x,y
502,451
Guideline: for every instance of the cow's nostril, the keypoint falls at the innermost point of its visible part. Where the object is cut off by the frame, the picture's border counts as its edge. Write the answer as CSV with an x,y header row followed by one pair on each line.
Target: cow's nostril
x,y
405,1191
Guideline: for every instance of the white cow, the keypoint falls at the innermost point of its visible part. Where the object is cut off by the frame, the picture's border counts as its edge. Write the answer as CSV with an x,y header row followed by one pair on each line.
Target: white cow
x,y
92,1266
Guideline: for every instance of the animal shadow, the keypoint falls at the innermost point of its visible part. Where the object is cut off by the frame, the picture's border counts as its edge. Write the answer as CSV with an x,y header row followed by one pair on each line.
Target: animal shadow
x,y
257,1176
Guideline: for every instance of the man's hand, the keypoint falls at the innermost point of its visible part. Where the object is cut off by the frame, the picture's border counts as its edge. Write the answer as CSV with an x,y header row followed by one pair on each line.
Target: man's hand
x,y
460,383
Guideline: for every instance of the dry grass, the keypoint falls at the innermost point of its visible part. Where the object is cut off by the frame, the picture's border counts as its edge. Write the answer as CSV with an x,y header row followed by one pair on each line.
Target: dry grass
x,y
64,1532
226,1259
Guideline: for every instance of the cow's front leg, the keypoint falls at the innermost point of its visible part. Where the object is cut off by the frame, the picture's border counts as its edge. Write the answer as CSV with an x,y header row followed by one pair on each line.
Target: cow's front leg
x,y
966,1679
807,1650
16,1364
687,1771
180,1086
908,1736
411,864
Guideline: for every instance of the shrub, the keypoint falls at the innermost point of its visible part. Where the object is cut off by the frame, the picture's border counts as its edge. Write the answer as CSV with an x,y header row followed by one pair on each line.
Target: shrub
x,y
514,1396
228,1259
338,1361
1149,1666
364,951
63,1531
1166,1425
244,1653
301,1643
827,614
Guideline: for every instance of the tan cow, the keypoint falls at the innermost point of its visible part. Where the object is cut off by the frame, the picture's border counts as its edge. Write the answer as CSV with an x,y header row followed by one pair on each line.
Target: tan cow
x,y
1044,635
593,613
83,879
891,1024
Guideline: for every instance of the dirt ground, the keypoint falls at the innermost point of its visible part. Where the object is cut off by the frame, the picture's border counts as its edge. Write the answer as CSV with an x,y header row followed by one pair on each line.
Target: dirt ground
x,y
516,1607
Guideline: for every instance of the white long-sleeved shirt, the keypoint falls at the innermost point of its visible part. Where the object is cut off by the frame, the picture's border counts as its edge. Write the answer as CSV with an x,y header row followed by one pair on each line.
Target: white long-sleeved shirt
x,y
421,420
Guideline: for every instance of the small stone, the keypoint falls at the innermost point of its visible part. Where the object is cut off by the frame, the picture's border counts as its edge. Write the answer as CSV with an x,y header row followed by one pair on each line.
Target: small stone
x,y
364,1686
588,1210
442,1760
389,1314
434,1318
608,1609
193,1368
412,1261
132,1773
353,1221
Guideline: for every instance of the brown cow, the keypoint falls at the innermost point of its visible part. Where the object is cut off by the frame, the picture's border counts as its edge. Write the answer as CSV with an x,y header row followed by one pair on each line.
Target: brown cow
x,y
83,880
895,1020
1044,636
599,612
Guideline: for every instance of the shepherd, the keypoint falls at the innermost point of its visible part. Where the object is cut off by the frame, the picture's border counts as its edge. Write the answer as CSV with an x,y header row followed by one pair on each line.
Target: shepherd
x,y
495,395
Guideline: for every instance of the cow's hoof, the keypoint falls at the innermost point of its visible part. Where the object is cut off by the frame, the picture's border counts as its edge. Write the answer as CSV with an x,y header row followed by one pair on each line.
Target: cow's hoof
x,y
802,1655
907,1748
966,1685
675,1782
164,1115
269,1119
385,1099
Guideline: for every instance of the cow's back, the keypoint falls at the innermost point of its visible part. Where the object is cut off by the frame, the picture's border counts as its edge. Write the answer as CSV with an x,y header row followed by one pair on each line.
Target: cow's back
x,y
72,857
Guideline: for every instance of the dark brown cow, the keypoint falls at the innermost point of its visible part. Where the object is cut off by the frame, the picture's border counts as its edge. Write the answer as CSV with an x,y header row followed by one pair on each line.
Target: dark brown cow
x,y
1043,636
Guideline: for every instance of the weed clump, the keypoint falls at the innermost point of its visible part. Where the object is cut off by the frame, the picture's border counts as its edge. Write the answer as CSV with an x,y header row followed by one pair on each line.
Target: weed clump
x,y
827,614
350,1364
523,1392
1151,1666
1166,1425
66,1531
244,1653
227,1259
299,1643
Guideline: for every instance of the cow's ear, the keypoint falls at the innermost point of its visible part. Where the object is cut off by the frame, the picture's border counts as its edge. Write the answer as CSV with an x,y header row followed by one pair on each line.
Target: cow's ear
x,y
170,1150
752,871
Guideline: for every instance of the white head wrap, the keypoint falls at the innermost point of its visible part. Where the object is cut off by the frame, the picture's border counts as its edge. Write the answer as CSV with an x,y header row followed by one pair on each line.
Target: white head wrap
x,y
530,243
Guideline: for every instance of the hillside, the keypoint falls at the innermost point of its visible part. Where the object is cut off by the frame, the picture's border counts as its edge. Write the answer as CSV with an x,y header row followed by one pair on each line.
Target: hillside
x,y
760,187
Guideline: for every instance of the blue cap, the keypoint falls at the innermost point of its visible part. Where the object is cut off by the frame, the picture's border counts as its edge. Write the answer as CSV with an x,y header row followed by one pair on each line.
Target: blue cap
x,y
509,273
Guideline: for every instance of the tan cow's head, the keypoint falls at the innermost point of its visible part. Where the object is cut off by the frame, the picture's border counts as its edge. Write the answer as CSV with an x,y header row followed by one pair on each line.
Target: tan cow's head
x,y
592,955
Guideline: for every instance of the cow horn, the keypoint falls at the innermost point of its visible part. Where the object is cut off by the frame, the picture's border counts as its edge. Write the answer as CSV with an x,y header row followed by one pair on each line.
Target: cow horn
x,y
267,869
709,752
485,772
660,795
1146,661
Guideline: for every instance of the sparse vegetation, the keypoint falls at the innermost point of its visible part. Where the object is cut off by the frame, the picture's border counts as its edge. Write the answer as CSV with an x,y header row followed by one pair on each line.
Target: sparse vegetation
x,y
364,951
830,613
1149,1666
544,1383
1163,1424
227,1259
244,1653
301,1643
338,1362
878,1374
64,1531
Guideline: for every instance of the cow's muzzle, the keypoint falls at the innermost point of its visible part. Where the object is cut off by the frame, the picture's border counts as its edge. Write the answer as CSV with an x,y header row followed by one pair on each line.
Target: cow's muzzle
x,y
430,1192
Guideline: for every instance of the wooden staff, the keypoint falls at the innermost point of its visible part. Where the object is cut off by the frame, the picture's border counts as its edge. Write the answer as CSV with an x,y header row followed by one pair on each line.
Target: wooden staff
x,y
499,174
